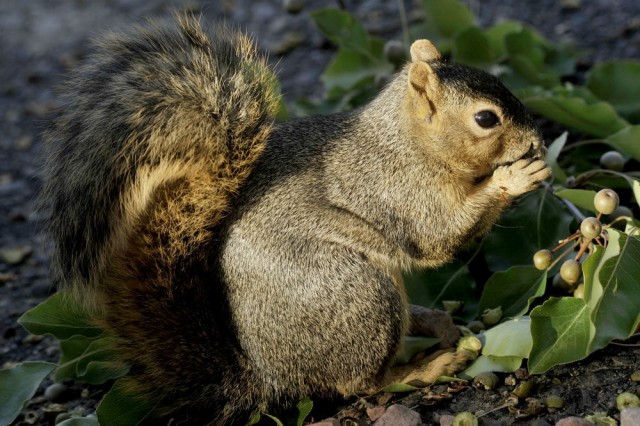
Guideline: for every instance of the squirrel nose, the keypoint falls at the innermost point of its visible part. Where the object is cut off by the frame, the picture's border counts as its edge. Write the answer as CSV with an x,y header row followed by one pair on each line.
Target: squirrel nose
x,y
537,149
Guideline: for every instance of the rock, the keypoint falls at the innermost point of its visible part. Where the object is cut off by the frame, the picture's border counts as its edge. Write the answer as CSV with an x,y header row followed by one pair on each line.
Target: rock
x,y
23,143
630,417
287,43
14,256
374,413
384,398
7,276
574,421
327,422
399,415
446,420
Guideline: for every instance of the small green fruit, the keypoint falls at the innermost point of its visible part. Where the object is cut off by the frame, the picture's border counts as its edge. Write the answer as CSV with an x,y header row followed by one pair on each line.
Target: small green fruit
x,y
492,316
606,201
293,6
452,306
590,228
476,326
570,271
612,160
542,259
579,291
395,52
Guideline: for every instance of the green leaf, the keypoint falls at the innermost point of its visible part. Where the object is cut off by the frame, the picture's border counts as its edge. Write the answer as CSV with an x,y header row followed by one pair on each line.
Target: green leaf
x,y
80,421
121,408
635,186
561,332
617,83
498,364
342,29
527,43
57,317
18,385
304,408
399,388
627,140
497,34
614,294
527,52
513,290
89,361
350,68
448,17
275,419
413,345
552,157
538,220
573,108
509,339
589,268
472,47
582,198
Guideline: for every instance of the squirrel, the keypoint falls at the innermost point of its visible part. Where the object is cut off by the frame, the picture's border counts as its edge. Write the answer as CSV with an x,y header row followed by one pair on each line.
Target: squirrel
x,y
243,263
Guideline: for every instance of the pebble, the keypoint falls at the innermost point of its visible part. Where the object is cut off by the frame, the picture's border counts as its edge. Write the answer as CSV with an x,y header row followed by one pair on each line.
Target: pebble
x,y
574,421
24,142
399,415
55,391
14,256
446,420
630,417
327,422
374,413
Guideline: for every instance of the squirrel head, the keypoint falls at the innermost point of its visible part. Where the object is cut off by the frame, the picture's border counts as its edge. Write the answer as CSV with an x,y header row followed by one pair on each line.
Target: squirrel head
x,y
466,116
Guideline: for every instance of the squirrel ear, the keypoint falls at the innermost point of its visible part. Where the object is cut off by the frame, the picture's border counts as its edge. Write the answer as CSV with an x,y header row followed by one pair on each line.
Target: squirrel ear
x,y
425,51
423,89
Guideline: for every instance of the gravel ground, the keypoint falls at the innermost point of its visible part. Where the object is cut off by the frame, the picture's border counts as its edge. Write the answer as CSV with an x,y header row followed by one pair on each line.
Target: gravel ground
x,y
41,39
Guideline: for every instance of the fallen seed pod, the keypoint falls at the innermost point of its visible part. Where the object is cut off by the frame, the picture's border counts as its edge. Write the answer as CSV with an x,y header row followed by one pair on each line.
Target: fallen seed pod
x,y
465,419
627,400
486,380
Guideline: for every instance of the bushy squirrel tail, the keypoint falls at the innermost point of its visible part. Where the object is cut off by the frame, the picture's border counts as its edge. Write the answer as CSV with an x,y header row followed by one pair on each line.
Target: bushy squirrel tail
x,y
159,129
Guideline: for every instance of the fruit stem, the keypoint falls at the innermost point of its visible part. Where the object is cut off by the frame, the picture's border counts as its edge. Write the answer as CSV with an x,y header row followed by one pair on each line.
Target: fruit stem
x,y
583,248
563,254
566,241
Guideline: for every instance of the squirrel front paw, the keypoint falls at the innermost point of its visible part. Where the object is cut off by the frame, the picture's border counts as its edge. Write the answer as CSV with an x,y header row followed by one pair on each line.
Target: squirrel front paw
x,y
520,177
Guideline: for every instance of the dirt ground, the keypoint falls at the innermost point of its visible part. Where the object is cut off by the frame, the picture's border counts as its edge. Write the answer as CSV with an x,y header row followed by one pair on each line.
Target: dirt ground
x,y
41,39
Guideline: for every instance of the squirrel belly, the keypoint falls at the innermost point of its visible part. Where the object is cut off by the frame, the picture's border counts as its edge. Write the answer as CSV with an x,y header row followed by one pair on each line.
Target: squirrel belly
x,y
243,264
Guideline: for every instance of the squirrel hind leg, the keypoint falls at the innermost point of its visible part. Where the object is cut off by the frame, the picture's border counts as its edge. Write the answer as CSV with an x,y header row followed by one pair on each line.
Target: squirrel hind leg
x,y
425,371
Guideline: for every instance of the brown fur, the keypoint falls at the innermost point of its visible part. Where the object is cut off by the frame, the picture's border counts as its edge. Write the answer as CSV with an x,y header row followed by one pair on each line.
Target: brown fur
x,y
242,264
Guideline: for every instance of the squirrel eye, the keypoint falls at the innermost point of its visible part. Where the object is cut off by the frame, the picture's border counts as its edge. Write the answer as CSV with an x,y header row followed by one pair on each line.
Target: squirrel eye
x,y
486,119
